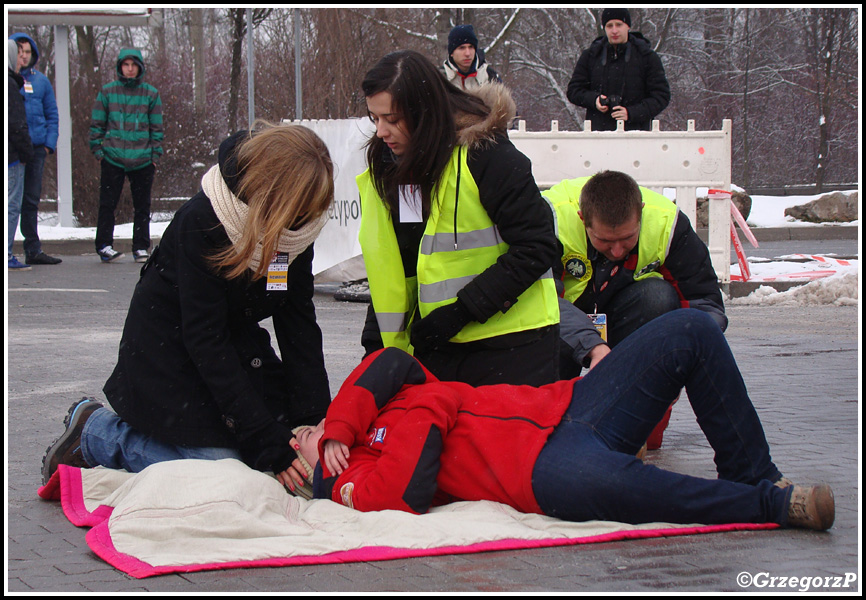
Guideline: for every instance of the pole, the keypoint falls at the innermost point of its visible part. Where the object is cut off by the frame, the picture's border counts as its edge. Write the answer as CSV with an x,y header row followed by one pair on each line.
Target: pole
x,y
251,59
299,102
64,139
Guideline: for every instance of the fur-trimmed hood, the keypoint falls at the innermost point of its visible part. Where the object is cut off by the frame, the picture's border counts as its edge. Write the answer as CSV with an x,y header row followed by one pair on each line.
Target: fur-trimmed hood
x,y
473,131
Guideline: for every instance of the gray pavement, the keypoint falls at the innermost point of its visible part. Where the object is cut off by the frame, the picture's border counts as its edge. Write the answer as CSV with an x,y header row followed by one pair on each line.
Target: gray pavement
x,y
800,364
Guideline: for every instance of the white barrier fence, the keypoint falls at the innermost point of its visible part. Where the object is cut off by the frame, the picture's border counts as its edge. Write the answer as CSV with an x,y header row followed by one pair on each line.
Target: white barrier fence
x,y
659,160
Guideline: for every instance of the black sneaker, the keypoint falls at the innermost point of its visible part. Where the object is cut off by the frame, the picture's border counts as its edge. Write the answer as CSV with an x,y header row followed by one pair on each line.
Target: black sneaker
x,y
66,450
42,259
109,254
140,256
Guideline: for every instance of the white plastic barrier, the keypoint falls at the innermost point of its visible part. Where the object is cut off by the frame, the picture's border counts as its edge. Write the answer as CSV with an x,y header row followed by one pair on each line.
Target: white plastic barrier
x,y
682,160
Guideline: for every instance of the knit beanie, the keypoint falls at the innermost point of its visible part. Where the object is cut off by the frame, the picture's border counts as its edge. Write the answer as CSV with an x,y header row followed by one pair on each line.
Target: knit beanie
x,y
609,14
462,34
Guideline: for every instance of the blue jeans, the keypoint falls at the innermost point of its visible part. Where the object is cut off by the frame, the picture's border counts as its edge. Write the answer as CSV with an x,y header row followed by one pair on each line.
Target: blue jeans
x,y
108,441
15,191
631,308
30,202
638,304
588,470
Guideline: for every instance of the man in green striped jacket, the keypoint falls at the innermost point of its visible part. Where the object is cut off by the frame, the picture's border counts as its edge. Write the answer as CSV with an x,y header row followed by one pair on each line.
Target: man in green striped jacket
x,y
126,137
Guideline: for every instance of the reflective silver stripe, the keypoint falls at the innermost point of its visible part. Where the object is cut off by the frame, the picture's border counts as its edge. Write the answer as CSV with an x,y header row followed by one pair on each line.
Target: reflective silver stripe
x,y
445,290
467,240
391,322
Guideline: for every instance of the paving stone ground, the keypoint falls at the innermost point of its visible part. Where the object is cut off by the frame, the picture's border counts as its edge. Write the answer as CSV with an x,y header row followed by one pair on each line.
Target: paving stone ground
x,y
800,364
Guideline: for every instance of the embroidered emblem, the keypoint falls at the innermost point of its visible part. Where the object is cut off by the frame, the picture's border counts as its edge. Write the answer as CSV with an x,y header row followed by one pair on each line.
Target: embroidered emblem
x,y
653,266
578,266
379,436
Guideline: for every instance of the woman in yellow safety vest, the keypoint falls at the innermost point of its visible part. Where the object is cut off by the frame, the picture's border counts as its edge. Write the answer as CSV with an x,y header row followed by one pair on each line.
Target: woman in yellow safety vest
x,y
456,238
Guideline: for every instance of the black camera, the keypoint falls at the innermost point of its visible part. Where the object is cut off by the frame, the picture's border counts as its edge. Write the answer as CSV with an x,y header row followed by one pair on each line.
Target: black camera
x,y
611,101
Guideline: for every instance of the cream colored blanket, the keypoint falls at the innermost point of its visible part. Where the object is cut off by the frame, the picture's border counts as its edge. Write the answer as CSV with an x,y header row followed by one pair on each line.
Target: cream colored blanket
x,y
192,515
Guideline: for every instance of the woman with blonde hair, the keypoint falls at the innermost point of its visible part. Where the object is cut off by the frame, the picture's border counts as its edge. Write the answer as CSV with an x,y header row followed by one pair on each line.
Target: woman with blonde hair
x,y
196,375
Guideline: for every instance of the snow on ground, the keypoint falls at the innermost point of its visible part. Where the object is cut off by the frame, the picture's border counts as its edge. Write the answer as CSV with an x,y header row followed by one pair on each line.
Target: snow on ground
x,y
839,290
827,280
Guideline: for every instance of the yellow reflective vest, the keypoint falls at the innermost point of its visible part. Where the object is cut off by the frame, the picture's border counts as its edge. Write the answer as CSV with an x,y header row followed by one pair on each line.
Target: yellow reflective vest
x,y
658,219
453,252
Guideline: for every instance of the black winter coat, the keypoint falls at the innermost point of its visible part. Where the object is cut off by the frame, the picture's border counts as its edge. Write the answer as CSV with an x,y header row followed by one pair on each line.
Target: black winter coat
x,y
194,366
18,135
634,72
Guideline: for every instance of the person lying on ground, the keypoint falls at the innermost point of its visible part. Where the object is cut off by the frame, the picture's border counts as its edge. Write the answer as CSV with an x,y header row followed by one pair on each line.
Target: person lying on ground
x,y
397,438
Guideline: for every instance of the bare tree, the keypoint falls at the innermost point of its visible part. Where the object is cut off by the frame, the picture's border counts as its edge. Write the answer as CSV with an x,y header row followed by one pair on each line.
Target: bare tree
x,y
787,77
238,22
199,79
827,32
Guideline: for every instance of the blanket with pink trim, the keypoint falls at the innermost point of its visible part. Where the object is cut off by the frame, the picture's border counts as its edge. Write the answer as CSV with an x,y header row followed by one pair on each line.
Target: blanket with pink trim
x,y
192,515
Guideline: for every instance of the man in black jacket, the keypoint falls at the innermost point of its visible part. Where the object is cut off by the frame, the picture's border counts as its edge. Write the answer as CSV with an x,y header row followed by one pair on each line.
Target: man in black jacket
x,y
619,77
20,151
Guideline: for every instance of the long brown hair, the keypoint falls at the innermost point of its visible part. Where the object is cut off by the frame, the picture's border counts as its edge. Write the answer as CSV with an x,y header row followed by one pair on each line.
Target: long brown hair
x,y
286,180
427,103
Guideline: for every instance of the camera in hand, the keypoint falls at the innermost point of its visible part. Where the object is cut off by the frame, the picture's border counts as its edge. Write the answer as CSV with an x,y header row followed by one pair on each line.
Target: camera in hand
x,y
611,101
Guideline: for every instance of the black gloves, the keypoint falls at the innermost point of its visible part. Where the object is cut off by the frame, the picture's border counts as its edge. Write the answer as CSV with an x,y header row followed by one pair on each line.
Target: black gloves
x,y
439,326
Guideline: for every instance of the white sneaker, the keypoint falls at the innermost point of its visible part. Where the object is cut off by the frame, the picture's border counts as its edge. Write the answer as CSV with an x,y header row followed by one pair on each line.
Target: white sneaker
x,y
109,254
140,256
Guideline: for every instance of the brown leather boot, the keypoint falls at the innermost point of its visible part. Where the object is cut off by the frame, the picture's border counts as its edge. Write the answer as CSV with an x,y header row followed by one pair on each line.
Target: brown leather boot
x,y
812,507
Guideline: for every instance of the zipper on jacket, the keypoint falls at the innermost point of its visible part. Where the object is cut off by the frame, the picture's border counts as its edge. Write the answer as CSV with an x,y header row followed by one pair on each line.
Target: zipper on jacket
x,y
457,195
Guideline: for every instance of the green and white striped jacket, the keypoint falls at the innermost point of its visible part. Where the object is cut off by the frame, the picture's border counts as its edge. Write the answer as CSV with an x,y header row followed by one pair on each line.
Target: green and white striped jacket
x,y
126,123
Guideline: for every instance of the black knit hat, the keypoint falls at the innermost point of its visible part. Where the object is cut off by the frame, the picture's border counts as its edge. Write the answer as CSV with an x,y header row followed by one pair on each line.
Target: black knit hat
x,y
609,14
462,34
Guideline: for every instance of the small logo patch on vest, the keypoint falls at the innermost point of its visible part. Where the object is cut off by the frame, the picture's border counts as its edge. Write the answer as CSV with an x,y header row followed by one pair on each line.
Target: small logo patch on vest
x,y
578,266
650,268
376,435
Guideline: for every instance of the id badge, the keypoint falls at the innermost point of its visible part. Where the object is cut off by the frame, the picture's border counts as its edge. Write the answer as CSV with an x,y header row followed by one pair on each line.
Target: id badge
x,y
600,322
278,273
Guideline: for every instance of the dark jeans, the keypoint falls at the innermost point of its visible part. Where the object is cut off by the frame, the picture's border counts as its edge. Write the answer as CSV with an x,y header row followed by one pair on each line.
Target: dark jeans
x,y
634,306
110,187
637,305
30,203
588,470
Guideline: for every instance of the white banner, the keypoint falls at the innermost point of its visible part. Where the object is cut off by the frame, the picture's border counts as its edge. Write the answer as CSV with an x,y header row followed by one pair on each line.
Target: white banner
x,y
338,253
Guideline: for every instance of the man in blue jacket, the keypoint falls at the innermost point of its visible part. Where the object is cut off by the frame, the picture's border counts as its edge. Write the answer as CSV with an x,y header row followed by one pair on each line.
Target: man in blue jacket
x,y
42,120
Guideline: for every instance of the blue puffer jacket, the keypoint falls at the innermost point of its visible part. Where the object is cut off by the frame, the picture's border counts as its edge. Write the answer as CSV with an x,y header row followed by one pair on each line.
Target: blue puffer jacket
x,y
39,102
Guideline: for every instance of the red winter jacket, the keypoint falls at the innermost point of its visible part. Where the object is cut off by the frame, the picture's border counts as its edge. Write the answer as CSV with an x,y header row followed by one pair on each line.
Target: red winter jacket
x,y
417,442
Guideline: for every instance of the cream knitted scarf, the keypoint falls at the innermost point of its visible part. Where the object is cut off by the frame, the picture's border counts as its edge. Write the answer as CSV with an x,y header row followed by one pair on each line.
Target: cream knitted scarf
x,y
232,213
